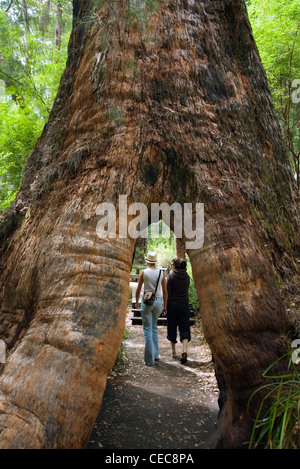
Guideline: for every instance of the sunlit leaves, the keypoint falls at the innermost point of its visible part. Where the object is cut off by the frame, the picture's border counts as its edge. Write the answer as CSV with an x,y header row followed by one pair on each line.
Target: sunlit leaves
x,y
32,59
276,28
19,130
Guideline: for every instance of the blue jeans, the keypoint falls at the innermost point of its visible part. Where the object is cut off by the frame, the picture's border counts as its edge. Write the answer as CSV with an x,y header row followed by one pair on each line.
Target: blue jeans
x,y
150,314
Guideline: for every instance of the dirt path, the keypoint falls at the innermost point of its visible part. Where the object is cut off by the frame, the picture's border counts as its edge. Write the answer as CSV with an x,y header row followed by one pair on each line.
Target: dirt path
x,y
167,406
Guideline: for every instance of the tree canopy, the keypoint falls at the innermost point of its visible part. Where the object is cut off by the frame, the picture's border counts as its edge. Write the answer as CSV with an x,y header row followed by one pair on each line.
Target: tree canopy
x,y
33,49
276,29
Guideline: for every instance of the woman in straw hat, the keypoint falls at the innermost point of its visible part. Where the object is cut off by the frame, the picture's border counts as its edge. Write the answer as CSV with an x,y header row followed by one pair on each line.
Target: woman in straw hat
x,y
150,313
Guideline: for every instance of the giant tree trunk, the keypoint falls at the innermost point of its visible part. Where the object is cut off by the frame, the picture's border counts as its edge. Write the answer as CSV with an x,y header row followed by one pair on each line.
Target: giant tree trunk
x,y
164,104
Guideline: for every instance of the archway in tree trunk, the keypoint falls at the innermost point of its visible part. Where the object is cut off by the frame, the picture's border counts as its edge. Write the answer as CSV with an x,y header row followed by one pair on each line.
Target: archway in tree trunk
x,y
174,106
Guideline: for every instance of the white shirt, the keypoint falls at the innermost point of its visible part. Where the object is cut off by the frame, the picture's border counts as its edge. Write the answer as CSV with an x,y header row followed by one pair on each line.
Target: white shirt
x,y
150,279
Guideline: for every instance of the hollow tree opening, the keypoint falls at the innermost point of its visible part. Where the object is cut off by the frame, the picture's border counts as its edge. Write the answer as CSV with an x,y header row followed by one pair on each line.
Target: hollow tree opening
x,y
168,102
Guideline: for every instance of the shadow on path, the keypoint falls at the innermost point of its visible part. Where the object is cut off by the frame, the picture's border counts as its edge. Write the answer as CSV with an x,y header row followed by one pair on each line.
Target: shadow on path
x,y
167,406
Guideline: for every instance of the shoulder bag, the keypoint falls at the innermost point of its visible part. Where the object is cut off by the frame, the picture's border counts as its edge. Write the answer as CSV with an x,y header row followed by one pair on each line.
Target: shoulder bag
x,y
149,296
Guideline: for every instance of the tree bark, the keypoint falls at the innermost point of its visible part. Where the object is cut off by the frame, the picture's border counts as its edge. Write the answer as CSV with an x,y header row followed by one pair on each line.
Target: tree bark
x,y
180,248
172,107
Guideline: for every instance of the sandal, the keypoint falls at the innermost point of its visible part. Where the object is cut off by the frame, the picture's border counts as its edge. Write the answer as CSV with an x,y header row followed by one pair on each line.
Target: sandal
x,y
183,357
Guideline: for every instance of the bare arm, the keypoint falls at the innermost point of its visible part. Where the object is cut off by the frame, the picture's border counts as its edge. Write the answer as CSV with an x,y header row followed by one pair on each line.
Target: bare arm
x,y
138,290
165,292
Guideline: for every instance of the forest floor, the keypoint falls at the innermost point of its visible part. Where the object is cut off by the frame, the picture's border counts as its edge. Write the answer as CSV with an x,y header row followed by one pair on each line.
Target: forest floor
x,y
165,406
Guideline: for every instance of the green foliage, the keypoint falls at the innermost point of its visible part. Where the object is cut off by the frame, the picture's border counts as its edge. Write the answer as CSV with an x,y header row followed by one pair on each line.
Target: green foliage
x,y
33,50
19,130
277,425
33,55
275,26
121,357
276,29
193,295
164,244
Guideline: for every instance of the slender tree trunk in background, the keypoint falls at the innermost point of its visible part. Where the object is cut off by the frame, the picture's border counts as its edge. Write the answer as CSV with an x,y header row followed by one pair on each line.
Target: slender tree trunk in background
x,y
45,18
172,107
25,15
58,26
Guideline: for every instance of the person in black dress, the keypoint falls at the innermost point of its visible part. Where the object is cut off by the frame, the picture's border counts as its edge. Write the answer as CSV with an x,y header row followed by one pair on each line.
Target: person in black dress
x,y
178,311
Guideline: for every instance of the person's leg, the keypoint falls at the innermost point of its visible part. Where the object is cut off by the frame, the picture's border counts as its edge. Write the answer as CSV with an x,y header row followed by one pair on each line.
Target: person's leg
x,y
184,351
156,312
172,327
185,345
146,313
173,349
184,329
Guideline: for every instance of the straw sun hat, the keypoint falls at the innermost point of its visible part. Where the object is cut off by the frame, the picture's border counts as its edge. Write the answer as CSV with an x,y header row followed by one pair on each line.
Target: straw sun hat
x,y
151,257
